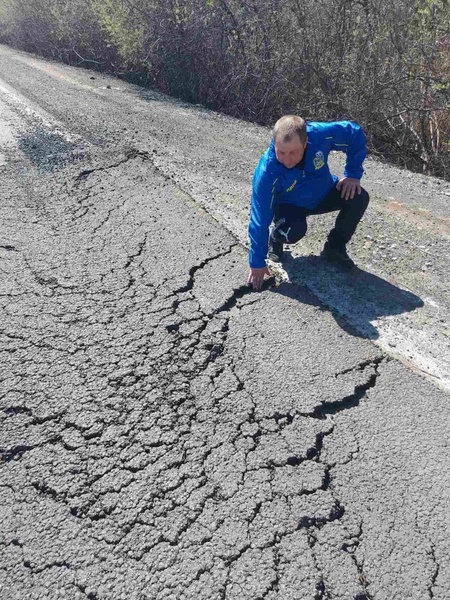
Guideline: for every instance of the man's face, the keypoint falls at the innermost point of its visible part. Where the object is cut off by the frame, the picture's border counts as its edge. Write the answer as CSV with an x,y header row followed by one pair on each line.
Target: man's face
x,y
290,153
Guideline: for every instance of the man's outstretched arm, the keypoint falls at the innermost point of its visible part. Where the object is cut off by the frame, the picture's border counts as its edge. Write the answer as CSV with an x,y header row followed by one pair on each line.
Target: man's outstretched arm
x,y
261,214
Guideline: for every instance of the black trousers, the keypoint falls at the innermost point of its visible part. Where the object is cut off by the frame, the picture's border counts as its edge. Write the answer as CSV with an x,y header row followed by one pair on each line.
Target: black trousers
x,y
290,220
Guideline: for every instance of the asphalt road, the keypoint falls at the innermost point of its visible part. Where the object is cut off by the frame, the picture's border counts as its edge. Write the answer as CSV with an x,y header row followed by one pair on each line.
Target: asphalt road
x,y
166,433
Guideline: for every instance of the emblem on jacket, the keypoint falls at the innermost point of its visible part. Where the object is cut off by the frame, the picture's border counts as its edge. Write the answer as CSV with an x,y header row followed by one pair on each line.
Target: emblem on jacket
x,y
319,160
291,187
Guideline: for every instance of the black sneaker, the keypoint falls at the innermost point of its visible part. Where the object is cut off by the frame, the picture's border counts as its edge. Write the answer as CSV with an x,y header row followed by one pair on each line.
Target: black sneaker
x,y
337,256
275,251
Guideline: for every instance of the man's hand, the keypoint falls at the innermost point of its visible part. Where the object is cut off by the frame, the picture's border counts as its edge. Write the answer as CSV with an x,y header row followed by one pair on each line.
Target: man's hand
x,y
256,277
349,187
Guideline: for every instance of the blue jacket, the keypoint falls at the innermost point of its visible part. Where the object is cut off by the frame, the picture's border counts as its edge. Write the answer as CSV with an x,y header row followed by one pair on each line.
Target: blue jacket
x,y
304,185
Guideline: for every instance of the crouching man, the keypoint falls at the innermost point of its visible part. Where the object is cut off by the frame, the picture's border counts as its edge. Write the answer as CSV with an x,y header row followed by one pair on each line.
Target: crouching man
x,y
293,180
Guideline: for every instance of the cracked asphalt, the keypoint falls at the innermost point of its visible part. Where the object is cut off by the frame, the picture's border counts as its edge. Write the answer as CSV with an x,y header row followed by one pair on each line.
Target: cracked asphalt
x,y
166,433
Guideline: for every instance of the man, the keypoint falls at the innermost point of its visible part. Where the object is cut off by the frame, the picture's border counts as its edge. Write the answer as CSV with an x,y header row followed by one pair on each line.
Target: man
x,y
293,180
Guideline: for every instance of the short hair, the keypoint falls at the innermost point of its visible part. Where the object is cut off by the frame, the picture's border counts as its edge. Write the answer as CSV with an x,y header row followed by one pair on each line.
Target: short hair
x,y
289,126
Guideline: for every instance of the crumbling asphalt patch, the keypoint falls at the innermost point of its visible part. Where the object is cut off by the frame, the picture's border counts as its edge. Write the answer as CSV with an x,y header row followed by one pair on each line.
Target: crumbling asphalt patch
x,y
163,426
48,150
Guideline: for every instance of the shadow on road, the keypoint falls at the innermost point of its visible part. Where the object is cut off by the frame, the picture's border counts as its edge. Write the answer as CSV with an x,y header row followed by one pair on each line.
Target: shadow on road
x,y
356,299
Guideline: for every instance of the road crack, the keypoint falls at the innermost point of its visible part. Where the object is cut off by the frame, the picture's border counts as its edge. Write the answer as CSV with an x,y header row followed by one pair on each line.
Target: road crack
x,y
435,573
352,400
191,274
129,155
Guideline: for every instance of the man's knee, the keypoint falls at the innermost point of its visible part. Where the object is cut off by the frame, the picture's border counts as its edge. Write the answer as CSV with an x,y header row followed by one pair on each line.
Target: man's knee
x,y
289,233
359,202
363,198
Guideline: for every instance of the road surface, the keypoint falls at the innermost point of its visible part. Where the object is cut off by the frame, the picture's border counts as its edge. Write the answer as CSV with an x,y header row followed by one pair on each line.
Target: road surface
x,y
166,432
